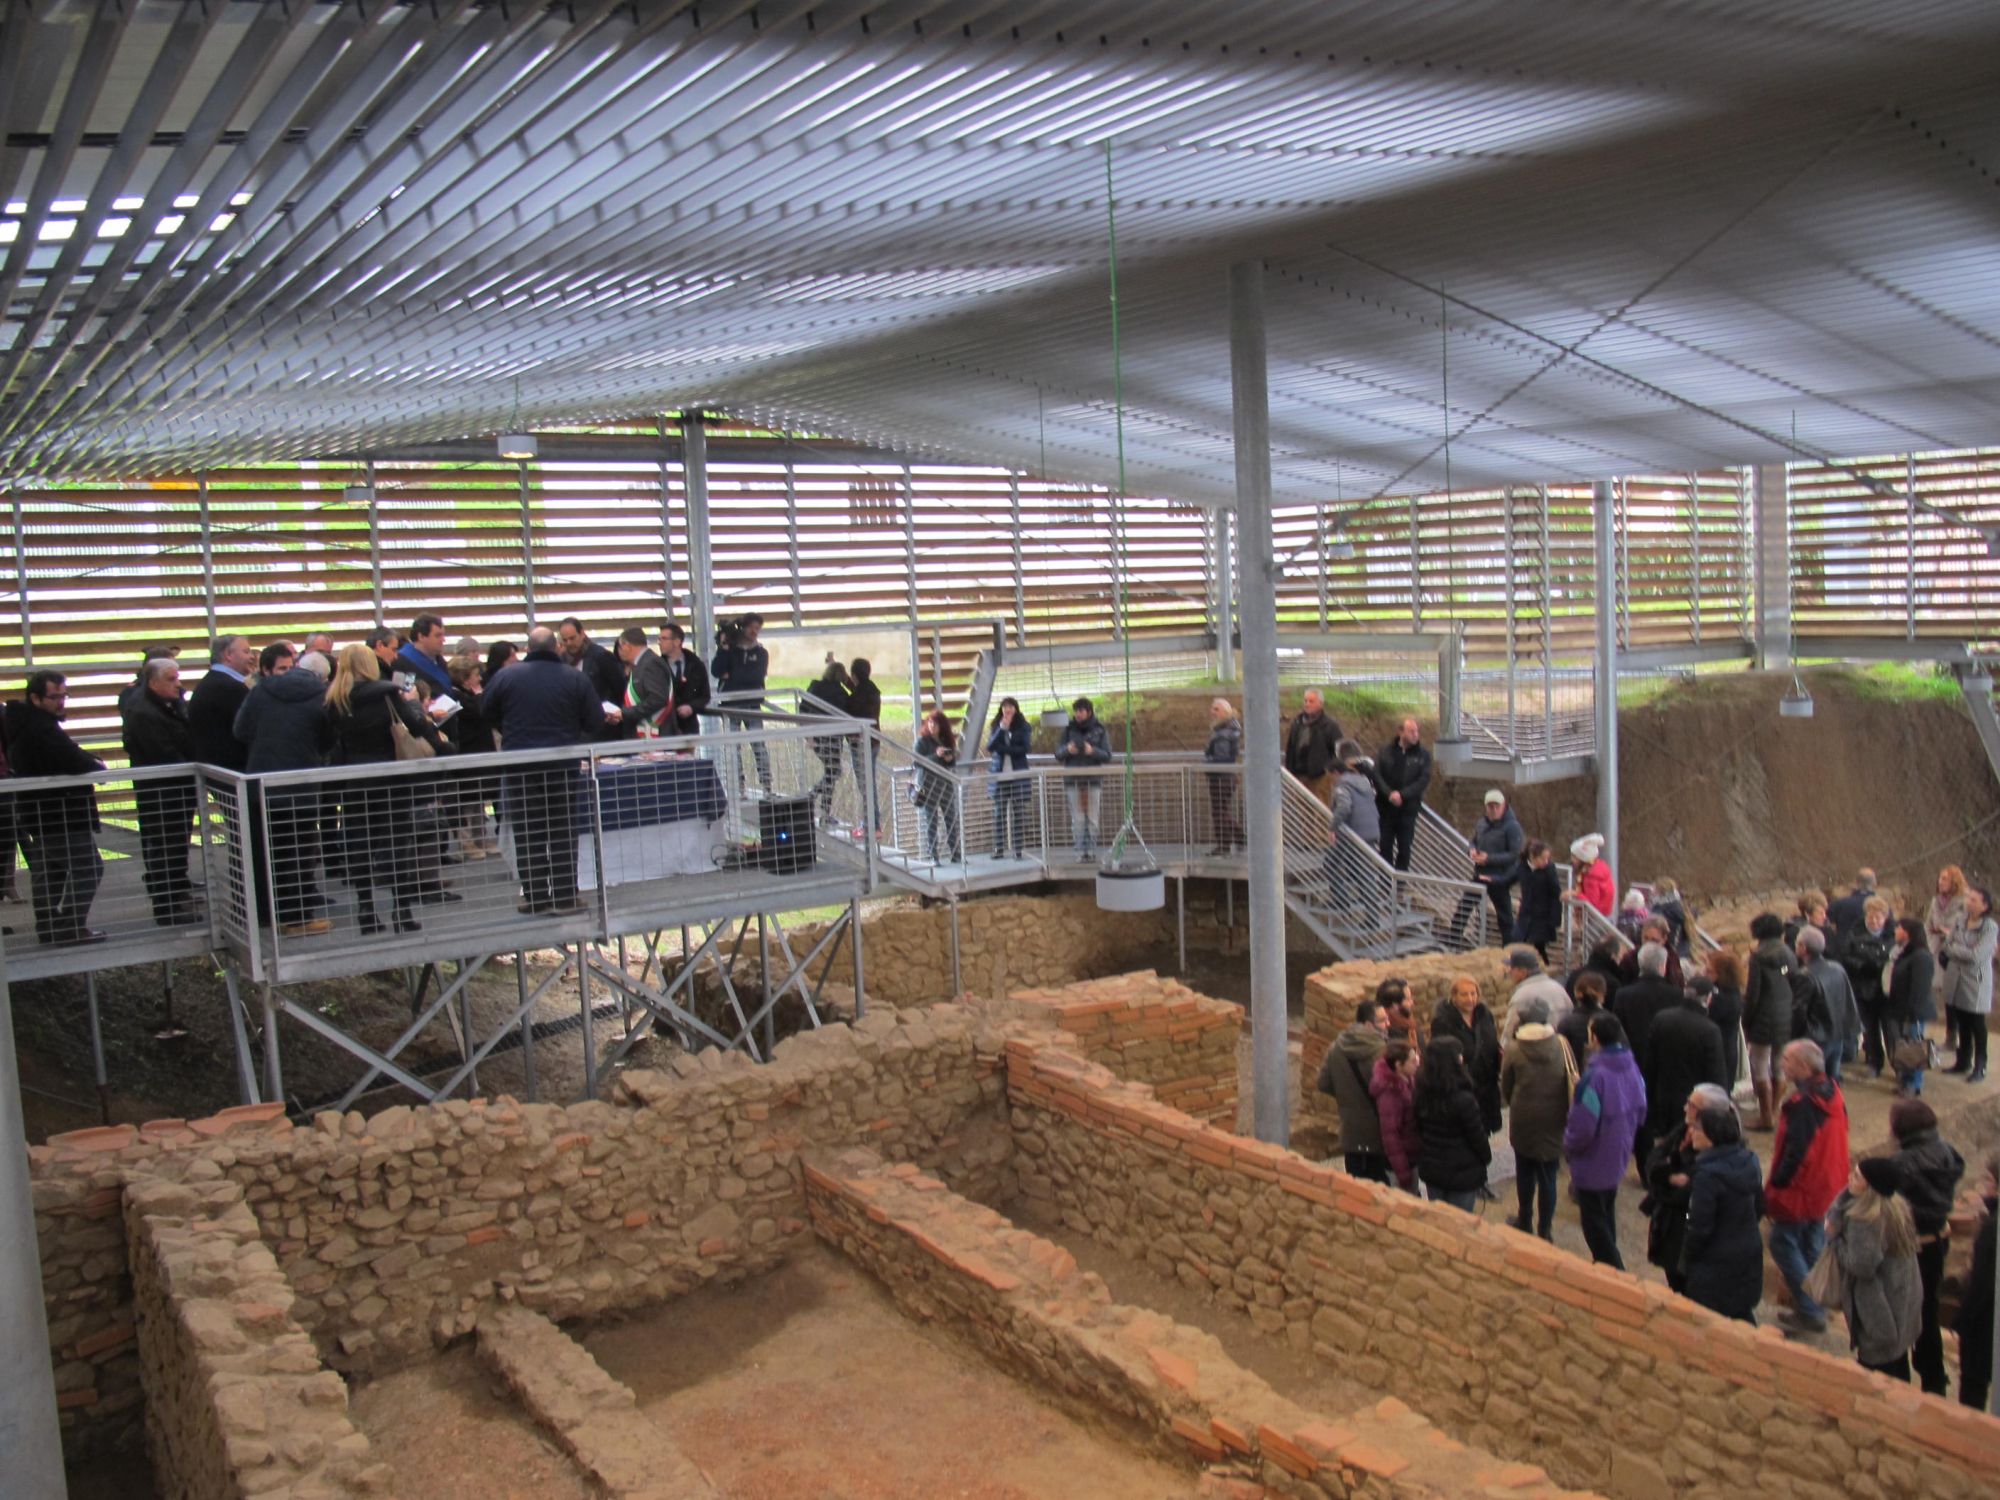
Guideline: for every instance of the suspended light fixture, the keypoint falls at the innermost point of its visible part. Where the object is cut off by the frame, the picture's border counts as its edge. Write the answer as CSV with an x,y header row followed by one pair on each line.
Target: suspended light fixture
x,y
1797,702
1128,877
359,494
518,444
1339,547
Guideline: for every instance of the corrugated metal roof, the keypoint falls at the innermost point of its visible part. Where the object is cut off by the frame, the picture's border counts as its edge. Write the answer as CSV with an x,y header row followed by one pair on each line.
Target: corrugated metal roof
x,y
1578,239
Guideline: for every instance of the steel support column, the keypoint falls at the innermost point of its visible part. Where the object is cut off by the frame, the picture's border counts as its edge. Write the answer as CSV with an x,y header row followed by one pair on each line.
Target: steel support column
x,y
701,572
29,1434
207,552
1773,570
1258,604
1605,532
375,550
21,581
527,541
1225,595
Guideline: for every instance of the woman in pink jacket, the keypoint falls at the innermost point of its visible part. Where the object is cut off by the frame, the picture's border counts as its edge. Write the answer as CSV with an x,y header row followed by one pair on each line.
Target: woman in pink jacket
x,y
1393,1088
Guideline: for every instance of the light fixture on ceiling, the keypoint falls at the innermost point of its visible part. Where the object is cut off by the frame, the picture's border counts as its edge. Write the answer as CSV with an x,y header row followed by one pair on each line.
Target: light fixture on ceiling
x,y
1797,702
359,494
518,444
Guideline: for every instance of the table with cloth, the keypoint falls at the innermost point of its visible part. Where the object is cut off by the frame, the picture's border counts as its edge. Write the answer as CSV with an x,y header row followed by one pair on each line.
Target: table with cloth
x,y
659,817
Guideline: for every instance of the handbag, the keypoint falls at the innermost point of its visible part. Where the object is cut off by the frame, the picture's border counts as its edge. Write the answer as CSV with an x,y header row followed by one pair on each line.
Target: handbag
x,y
1824,1282
409,746
1913,1053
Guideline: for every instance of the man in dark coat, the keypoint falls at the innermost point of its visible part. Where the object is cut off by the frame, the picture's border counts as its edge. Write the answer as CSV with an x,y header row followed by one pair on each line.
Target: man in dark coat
x,y
1683,1048
1312,744
57,829
1402,776
1640,1000
216,698
1495,851
1845,914
540,703
283,722
156,733
600,668
1767,1010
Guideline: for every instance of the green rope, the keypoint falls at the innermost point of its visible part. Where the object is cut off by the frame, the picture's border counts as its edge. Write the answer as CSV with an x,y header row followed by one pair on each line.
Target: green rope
x,y
1118,499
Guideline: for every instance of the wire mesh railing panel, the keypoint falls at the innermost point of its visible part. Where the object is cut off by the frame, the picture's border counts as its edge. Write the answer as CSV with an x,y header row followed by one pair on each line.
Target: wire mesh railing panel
x,y
1056,684
113,869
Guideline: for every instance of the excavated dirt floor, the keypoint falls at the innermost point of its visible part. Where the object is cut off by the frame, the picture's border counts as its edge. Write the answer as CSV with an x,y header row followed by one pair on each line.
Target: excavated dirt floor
x,y
809,1381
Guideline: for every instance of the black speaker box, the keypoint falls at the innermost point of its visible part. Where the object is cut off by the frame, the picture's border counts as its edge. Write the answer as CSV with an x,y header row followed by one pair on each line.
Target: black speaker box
x,y
785,835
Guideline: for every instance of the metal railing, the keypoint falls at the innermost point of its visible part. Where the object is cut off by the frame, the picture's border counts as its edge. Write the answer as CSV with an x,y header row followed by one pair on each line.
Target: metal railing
x,y
347,869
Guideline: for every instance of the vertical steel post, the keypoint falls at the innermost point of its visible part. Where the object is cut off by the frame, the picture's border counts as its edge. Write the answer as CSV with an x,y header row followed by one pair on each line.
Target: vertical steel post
x,y
274,1066
1507,562
589,1021
1225,595
21,581
854,942
1694,552
527,540
1604,529
1773,563
792,542
1416,568
1262,813
1020,562
29,1433
1548,630
375,550
527,1024
1910,564
1319,547
701,568
957,979
207,552
1118,623
910,596
666,491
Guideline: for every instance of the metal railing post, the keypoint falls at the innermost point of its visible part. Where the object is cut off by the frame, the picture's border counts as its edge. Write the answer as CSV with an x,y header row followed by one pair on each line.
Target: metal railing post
x,y
28,1425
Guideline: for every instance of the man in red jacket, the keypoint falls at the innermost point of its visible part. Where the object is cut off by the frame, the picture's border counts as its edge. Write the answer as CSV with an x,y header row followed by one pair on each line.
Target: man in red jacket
x,y
1808,1169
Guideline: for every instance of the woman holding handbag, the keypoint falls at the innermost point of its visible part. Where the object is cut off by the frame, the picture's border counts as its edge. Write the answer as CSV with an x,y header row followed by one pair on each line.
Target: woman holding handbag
x,y
375,723
1909,1006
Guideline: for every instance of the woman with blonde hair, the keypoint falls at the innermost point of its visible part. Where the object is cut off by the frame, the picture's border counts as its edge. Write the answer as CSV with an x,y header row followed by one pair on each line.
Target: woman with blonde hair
x,y
1872,1236
1463,1016
1941,918
379,811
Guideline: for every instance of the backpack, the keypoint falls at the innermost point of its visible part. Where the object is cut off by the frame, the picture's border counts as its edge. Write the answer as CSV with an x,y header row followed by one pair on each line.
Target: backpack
x,y
1812,1017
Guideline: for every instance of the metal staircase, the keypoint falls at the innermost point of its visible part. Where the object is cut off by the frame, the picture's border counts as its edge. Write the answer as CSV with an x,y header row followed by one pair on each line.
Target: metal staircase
x,y
949,834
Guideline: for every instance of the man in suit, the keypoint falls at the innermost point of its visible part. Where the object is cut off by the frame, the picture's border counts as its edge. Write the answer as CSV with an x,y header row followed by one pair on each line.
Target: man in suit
x,y
58,828
648,699
690,677
156,733
216,698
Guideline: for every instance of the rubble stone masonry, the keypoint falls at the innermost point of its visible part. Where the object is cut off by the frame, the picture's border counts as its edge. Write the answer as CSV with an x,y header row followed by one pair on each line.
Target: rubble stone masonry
x,y
1146,1029
1024,1302
237,1400
1332,994
397,1232
1610,1382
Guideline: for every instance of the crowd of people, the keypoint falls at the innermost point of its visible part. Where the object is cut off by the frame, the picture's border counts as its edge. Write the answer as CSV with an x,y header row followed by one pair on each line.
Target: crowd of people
x,y
391,696
1624,1073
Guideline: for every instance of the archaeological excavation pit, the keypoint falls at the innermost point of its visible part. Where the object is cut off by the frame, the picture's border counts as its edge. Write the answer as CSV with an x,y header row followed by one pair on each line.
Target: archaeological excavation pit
x,y
827,1274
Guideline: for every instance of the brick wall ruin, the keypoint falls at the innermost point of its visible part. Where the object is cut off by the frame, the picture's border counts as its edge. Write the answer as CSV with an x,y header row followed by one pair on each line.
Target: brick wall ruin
x,y
398,1231
1332,993
1173,1388
1522,1348
237,1402
1146,1029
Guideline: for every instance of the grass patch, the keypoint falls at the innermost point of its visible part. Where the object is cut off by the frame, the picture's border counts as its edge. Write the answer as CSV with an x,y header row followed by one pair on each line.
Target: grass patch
x,y
1902,682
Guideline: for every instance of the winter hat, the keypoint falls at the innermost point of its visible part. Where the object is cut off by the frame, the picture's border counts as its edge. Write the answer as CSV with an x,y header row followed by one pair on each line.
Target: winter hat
x,y
1908,1117
1496,796
1588,847
1883,1175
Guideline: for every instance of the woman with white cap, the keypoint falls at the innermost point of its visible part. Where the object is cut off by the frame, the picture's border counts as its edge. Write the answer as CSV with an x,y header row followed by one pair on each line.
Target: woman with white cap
x,y
1593,882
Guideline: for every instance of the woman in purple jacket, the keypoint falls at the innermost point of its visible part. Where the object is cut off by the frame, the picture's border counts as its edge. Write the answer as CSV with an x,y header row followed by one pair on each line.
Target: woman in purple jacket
x,y
1610,1104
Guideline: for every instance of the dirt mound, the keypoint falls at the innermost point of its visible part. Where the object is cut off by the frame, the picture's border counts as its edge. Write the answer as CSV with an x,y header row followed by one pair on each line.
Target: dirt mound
x,y
1728,798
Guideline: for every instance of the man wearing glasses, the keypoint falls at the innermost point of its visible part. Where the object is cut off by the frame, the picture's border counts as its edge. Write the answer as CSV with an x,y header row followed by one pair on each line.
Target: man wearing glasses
x,y
58,828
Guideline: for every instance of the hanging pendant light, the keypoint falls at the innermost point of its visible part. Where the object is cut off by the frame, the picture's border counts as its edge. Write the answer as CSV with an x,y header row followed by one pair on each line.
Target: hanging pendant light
x,y
1128,877
1797,702
1340,547
518,445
